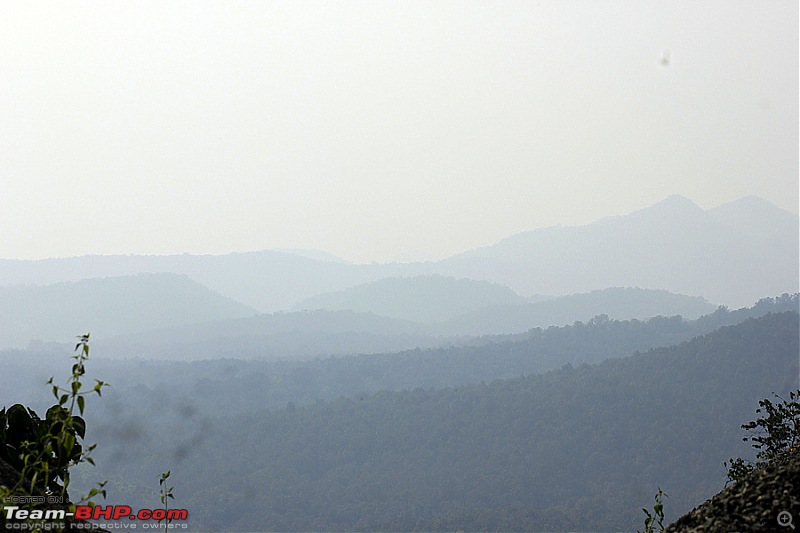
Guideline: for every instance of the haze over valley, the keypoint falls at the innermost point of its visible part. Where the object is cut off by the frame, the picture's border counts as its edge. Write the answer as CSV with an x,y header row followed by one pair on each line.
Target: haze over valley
x,y
407,342
400,266
673,246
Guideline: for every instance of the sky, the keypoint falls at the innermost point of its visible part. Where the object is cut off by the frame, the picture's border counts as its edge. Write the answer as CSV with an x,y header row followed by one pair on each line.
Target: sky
x,y
380,130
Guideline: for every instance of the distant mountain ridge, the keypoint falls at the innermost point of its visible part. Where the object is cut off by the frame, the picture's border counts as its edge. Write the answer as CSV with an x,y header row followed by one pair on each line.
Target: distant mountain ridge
x,y
452,306
265,280
427,298
755,215
291,335
621,303
313,333
732,254
108,306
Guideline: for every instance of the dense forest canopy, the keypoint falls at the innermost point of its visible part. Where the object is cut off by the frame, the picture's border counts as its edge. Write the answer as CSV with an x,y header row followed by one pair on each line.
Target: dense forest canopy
x,y
568,449
558,428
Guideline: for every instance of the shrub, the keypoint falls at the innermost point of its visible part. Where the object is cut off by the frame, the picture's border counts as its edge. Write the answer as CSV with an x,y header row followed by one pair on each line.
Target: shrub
x,y
774,433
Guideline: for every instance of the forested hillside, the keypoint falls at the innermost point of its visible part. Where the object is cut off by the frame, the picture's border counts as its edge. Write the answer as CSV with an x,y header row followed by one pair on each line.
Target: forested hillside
x,y
370,329
577,448
169,316
236,385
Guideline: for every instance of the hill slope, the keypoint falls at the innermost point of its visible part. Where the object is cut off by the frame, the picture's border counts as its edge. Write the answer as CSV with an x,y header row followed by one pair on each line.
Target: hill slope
x,y
732,254
107,306
420,298
579,448
233,385
294,335
308,334
265,280
618,303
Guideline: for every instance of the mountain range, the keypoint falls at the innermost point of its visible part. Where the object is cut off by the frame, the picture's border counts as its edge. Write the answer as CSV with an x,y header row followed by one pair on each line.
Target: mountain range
x,y
673,257
732,255
146,317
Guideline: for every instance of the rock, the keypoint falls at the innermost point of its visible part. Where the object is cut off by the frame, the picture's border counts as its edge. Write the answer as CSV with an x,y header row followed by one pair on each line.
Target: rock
x,y
756,503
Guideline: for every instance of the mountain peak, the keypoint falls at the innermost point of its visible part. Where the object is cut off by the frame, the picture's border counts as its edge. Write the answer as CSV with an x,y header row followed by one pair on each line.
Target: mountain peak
x,y
673,203
755,216
677,199
753,204
672,207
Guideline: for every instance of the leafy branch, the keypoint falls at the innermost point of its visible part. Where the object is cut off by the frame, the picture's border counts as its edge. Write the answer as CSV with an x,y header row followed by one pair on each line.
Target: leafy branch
x,y
654,522
165,493
43,450
776,432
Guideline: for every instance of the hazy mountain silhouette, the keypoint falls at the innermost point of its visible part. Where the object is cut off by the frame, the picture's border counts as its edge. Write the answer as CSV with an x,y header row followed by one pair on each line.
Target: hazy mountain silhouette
x,y
306,334
266,280
317,255
755,216
295,335
618,303
731,254
108,306
421,298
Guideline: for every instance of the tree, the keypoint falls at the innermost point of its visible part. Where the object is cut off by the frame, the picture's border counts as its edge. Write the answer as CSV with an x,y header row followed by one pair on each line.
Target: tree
x,y
37,453
774,433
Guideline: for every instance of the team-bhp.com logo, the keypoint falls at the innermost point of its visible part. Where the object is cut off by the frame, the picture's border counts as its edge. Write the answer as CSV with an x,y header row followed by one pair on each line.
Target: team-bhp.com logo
x,y
14,516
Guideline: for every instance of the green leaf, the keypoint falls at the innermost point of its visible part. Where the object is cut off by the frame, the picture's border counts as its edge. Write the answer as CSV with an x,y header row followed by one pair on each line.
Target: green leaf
x,y
79,425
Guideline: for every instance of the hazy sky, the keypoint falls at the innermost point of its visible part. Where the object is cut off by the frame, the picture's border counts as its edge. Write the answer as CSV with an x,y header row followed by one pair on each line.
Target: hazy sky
x,y
380,130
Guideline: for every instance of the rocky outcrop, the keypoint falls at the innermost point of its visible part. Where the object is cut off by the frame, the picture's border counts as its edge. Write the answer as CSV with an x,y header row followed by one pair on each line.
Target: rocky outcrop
x,y
767,499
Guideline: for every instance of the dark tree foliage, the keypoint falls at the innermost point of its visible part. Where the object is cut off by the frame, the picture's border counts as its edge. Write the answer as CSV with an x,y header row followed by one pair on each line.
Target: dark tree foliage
x,y
37,454
776,432
53,441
